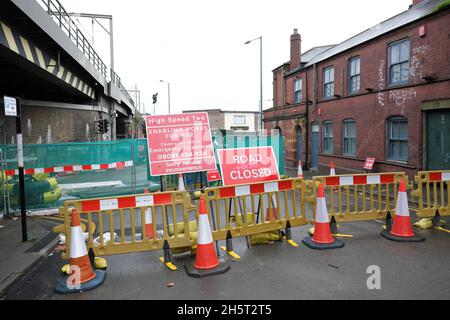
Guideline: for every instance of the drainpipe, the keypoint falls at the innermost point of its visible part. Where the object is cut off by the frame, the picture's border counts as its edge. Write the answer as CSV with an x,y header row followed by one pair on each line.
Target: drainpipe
x,y
306,164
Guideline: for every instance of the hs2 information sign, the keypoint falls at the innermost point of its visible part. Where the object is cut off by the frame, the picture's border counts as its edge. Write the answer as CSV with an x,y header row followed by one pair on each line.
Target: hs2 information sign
x,y
179,144
248,165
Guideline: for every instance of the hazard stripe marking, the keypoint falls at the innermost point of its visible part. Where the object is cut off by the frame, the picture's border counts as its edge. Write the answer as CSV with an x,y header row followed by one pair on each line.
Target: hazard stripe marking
x,y
129,202
435,176
90,205
162,199
10,38
242,191
346,181
271,187
73,168
144,201
109,204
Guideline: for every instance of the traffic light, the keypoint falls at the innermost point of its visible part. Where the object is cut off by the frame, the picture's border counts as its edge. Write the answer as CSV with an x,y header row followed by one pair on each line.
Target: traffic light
x,y
106,126
155,98
101,126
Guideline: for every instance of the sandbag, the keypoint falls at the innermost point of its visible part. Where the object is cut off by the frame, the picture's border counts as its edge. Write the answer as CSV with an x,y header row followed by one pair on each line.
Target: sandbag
x,y
180,227
264,238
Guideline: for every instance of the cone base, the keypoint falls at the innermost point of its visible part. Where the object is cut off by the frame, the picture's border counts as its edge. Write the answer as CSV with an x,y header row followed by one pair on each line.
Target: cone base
x,y
62,288
415,238
337,244
197,273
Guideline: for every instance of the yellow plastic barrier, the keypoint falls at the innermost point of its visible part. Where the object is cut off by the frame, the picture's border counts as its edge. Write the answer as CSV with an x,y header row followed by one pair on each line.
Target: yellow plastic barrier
x,y
432,193
117,221
359,197
252,209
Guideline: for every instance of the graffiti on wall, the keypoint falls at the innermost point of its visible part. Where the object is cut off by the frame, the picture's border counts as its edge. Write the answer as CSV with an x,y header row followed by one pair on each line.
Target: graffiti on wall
x,y
416,65
400,96
381,82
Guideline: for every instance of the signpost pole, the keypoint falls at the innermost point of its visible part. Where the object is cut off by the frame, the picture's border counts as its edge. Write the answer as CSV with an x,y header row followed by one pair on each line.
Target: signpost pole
x,y
21,172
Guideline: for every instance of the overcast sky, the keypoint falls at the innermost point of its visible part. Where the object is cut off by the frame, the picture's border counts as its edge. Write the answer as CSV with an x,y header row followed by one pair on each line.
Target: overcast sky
x,y
198,45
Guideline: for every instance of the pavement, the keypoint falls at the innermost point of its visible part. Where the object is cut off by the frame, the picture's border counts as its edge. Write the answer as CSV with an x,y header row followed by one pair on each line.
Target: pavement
x,y
19,257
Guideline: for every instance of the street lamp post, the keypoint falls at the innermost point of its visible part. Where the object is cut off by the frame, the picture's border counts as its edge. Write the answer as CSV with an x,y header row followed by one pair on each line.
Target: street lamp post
x,y
168,86
260,82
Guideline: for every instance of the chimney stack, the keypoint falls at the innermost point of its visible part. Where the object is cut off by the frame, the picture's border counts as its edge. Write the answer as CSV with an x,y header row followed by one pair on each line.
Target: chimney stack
x,y
296,49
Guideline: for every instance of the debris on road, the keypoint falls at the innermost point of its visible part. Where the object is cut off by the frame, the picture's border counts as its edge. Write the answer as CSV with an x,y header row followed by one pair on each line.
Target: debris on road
x,y
170,284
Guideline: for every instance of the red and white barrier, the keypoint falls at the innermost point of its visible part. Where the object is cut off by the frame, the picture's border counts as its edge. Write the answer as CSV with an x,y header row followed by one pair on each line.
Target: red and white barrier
x,y
360,180
73,168
158,199
253,189
439,176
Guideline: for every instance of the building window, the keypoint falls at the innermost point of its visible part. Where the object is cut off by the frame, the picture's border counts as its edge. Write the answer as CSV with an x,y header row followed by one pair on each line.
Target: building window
x,y
298,93
397,135
328,82
399,62
349,140
354,81
328,137
239,120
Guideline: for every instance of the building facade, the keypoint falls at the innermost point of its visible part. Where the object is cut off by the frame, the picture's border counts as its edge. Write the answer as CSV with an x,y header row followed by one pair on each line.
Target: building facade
x,y
384,93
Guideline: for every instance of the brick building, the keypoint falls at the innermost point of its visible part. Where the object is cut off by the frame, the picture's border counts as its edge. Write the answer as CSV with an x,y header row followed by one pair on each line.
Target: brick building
x,y
384,93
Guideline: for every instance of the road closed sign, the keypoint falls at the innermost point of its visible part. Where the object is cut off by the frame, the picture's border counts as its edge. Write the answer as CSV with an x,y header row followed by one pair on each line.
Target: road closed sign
x,y
248,165
179,144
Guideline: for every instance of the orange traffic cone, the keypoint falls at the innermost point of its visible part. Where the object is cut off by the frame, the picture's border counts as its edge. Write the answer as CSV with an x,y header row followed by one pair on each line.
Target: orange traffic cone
x,y
148,221
181,183
332,174
401,227
206,261
300,170
82,277
322,238
272,213
332,170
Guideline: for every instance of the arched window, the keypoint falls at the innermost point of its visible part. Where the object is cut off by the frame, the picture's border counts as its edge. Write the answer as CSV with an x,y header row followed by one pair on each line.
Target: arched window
x,y
397,139
328,137
349,137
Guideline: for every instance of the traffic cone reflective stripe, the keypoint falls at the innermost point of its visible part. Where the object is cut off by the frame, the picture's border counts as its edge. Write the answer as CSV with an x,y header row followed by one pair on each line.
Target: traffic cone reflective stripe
x,y
322,231
300,170
149,224
79,259
206,257
181,183
148,221
402,221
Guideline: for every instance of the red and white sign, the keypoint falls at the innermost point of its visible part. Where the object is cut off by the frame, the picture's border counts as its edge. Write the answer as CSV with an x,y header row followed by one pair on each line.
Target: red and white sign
x,y
248,165
369,163
214,176
179,144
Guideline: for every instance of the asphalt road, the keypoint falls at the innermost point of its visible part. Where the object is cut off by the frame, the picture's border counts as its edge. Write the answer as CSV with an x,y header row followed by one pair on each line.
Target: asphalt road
x,y
271,272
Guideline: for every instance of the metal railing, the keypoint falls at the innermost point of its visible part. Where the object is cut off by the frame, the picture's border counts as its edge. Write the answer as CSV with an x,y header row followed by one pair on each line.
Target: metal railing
x,y
63,19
